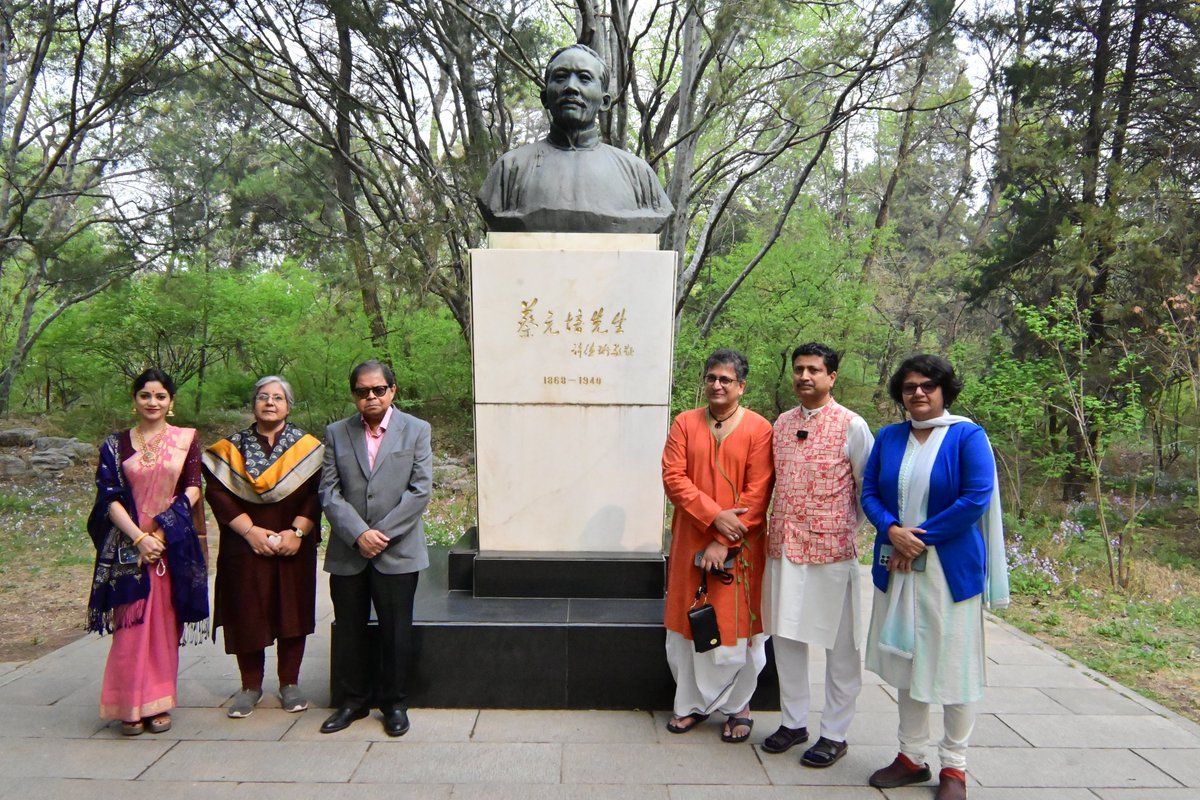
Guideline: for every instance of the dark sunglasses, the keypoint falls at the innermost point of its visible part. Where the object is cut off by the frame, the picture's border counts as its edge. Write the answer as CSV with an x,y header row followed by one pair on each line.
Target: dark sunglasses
x,y
363,392
927,387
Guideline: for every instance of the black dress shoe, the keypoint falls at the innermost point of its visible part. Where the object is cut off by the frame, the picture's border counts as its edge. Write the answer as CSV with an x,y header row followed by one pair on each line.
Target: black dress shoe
x,y
395,721
341,719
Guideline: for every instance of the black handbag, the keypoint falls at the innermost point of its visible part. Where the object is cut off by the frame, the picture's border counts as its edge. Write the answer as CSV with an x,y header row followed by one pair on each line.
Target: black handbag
x,y
703,620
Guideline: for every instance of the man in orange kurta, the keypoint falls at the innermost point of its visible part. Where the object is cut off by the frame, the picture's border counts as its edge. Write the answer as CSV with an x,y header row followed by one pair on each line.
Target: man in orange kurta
x,y
718,473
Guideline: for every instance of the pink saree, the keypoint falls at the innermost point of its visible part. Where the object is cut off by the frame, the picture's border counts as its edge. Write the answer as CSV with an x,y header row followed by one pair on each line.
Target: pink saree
x,y
141,676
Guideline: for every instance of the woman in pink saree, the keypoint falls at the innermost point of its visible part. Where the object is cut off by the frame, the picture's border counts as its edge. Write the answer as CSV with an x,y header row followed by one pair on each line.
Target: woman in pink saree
x,y
150,584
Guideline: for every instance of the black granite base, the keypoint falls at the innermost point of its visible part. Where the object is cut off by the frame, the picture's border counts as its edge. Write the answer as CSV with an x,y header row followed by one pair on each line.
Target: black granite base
x,y
537,653
493,573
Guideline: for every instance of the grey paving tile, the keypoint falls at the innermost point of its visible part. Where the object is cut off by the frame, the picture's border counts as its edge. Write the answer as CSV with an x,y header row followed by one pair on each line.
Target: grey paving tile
x,y
564,726
1098,700
205,692
880,729
1017,700
1182,765
720,792
976,792
50,722
1073,730
1148,794
211,724
8,666
74,789
552,791
217,665
1040,677
40,689
341,791
80,758
398,761
86,692
1022,653
428,725
298,762
1048,767
852,770
662,764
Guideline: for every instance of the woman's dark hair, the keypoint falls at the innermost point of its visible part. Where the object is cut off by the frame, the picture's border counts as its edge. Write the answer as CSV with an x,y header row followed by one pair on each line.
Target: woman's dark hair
x,y
826,353
372,366
731,358
150,376
936,368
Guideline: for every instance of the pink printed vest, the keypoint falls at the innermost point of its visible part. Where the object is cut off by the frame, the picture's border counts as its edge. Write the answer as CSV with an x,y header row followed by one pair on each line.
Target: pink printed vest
x,y
814,515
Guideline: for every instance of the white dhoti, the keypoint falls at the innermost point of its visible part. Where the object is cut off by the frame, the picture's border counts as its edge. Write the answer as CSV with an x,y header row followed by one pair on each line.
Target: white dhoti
x,y
815,604
721,680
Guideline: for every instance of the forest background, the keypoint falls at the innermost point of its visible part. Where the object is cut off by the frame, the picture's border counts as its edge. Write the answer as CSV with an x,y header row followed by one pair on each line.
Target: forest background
x,y
233,189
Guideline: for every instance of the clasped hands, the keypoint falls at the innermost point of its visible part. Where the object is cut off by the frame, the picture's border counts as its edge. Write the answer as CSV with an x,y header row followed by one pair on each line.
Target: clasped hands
x,y
151,546
272,543
371,543
906,546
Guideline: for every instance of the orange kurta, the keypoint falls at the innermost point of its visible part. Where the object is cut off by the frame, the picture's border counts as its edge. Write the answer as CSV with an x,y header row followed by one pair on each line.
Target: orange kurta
x,y
699,491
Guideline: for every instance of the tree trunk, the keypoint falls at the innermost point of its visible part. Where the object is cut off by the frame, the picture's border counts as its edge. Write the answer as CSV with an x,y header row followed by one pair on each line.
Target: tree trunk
x,y
343,178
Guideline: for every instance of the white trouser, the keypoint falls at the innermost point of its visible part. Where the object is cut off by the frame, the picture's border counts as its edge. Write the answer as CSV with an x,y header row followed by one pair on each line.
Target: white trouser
x,y
843,680
721,680
958,721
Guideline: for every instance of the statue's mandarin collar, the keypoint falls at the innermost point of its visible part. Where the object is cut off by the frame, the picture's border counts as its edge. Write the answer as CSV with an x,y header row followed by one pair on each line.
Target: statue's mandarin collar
x,y
586,139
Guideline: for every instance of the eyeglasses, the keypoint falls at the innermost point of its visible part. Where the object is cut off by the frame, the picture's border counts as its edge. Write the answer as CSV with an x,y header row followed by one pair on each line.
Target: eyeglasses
x,y
275,398
724,380
926,387
363,392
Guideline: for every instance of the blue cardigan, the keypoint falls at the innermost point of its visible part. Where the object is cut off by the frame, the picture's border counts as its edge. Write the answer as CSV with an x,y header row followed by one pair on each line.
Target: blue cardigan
x,y
960,488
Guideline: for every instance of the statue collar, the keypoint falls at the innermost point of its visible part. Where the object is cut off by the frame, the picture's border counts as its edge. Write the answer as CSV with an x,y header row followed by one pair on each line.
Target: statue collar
x,y
586,139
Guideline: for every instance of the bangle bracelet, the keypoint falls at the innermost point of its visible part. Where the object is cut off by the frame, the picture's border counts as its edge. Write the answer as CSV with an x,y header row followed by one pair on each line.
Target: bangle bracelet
x,y
139,539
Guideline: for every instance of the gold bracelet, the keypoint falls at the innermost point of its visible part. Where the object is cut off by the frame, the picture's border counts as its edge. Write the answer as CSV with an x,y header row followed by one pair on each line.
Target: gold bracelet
x,y
139,539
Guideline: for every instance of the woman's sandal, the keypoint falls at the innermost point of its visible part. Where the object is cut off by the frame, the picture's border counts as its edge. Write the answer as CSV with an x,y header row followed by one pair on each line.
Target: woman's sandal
x,y
132,728
733,723
696,719
159,723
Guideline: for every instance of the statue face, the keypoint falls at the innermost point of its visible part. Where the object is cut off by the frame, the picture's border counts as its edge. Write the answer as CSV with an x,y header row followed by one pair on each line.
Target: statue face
x,y
574,93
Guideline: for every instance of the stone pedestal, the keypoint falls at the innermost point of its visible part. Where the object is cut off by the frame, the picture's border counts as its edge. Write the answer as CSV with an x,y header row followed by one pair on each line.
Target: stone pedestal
x,y
572,345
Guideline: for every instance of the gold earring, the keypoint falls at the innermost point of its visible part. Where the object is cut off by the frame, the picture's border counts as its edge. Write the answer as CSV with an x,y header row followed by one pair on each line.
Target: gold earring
x,y
134,410
171,410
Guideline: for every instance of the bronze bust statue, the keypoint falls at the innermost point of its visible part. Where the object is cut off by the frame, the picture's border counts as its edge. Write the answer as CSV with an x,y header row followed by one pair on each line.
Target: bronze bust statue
x,y
571,181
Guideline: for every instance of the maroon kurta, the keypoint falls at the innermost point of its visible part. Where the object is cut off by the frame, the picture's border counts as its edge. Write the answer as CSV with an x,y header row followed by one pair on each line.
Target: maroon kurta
x,y
260,599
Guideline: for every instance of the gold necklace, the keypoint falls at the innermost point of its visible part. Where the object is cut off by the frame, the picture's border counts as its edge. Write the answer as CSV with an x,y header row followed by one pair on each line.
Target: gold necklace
x,y
148,451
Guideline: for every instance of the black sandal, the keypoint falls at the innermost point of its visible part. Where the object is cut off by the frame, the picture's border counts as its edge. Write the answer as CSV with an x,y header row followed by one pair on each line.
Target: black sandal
x,y
696,719
825,753
733,723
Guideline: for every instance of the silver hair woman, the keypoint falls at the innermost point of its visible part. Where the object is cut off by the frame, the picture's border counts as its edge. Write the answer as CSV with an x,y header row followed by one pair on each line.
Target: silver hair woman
x,y
262,487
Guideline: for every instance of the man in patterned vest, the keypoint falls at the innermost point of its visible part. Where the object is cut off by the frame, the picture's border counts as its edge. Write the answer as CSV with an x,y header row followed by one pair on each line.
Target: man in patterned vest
x,y
811,591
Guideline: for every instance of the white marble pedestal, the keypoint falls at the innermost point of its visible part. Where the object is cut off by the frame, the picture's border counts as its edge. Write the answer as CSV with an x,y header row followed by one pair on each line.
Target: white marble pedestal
x,y
572,346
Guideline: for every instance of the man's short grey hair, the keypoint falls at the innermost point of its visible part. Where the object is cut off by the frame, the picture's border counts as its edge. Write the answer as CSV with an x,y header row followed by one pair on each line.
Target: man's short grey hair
x,y
287,389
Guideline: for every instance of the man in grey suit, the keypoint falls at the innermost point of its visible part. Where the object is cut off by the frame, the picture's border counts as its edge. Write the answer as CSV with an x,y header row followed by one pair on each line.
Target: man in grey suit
x,y
375,485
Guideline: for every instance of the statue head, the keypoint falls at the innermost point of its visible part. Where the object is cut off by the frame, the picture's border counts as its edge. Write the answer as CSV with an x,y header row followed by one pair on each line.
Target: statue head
x,y
576,87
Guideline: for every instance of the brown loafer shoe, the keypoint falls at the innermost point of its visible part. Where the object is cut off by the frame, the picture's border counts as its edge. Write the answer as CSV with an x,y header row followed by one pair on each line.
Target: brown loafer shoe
x,y
900,772
952,785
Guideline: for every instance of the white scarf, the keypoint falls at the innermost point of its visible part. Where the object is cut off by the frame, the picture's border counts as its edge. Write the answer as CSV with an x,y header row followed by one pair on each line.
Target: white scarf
x,y
899,628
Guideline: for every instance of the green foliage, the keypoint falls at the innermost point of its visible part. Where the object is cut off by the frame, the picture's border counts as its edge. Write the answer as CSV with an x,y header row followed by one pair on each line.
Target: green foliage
x,y
806,289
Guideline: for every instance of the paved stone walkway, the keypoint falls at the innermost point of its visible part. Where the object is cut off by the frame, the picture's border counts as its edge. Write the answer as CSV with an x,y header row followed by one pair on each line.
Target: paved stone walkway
x,y
1048,729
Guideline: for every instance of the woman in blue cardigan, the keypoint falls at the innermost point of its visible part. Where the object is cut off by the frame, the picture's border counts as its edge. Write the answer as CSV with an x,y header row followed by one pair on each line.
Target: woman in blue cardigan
x,y
930,491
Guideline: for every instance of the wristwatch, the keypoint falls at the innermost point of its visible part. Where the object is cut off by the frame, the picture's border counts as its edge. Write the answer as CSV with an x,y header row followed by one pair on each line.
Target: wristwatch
x,y
299,533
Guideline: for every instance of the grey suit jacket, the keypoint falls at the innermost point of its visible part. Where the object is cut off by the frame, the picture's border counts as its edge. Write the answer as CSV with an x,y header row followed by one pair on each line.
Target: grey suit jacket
x,y
391,498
